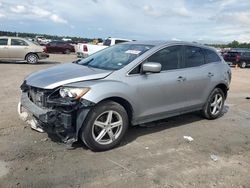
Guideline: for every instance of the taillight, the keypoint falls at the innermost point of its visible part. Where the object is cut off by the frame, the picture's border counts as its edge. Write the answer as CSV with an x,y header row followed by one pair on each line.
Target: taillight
x,y
85,48
237,57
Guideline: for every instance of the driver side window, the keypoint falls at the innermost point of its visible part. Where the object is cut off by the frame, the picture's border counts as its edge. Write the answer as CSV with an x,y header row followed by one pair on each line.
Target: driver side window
x,y
169,58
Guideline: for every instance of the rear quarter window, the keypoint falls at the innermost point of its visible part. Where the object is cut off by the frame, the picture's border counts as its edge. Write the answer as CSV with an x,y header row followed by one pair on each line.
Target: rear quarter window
x,y
107,42
211,56
18,42
120,41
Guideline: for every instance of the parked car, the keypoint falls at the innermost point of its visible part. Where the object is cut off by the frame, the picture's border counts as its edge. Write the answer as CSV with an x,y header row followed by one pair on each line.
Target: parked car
x,y
84,50
59,47
16,48
42,40
238,56
126,84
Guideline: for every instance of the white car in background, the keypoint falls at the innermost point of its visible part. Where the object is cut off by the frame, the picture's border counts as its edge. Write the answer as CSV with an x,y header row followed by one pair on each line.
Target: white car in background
x,y
16,48
84,50
42,40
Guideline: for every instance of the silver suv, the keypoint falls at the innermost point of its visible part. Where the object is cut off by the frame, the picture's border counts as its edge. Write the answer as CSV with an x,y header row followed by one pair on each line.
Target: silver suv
x,y
98,97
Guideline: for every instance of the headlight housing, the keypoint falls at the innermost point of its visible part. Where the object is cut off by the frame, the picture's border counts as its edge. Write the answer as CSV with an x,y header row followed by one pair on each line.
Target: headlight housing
x,y
71,92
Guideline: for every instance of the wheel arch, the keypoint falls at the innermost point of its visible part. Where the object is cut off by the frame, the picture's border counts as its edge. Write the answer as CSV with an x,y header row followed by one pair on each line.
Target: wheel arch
x,y
223,87
124,103
83,114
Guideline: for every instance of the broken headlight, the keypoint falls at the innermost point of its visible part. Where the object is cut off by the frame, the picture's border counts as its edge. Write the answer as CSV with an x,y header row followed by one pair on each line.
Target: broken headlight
x,y
75,93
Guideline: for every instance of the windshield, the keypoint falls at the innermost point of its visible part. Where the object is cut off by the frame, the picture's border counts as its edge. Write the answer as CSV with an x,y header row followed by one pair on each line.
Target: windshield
x,y
115,57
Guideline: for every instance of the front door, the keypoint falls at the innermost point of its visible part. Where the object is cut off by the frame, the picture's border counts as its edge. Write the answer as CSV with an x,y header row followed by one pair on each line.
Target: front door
x,y
160,94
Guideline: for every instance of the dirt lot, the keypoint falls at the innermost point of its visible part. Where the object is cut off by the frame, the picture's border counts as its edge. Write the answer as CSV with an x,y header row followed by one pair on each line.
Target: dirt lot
x,y
156,156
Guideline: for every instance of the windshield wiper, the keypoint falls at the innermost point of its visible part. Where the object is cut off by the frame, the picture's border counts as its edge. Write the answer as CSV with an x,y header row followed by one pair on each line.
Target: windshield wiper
x,y
86,63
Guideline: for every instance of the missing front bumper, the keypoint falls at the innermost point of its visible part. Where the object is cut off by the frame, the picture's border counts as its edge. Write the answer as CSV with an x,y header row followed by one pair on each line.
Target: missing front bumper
x,y
65,125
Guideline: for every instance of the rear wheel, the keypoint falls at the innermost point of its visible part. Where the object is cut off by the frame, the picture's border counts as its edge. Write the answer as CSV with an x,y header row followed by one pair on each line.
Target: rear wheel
x,y
32,58
214,105
243,64
105,126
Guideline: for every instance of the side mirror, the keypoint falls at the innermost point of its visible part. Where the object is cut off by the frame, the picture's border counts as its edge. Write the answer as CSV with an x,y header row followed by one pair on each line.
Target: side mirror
x,y
152,67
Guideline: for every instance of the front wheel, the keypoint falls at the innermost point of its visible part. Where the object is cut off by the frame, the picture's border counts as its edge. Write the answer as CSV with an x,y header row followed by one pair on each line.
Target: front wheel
x,y
214,105
32,58
105,126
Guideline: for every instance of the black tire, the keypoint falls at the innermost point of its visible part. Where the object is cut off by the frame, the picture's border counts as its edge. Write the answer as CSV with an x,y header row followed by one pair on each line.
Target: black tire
x,y
89,131
31,58
207,110
67,51
243,65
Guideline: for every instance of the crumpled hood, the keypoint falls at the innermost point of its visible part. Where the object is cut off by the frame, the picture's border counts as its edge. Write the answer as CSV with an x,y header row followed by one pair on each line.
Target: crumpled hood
x,y
64,74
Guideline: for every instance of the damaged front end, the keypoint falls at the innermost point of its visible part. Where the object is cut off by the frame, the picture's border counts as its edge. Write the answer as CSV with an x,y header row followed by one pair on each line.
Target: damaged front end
x,y
54,113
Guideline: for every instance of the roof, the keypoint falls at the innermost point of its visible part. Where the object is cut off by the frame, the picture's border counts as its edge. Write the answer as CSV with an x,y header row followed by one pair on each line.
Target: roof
x,y
162,42
12,37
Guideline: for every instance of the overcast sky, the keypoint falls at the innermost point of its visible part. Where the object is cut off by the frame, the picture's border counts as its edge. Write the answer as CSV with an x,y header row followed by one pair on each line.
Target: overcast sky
x,y
190,20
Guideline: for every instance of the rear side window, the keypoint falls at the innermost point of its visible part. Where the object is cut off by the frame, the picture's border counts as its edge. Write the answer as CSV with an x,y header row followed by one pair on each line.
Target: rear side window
x,y
211,56
169,58
107,42
193,56
52,43
232,54
3,42
18,42
120,41
247,54
59,43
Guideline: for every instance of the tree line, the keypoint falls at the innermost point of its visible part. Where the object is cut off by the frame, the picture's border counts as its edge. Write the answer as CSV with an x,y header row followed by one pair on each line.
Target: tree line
x,y
52,37
234,44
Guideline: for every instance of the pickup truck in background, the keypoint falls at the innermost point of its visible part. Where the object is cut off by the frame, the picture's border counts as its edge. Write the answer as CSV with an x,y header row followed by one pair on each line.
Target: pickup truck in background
x,y
84,50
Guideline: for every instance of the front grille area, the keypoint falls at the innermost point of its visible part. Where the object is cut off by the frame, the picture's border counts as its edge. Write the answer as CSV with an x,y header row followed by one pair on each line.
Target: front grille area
x,y
39,96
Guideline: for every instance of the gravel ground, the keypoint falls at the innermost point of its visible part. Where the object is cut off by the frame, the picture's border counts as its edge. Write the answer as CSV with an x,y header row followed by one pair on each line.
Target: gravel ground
x,y
153,156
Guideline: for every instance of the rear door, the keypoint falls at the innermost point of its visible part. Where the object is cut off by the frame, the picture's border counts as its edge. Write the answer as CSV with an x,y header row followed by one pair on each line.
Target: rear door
x,y
18,49
230,56
197,74
4,48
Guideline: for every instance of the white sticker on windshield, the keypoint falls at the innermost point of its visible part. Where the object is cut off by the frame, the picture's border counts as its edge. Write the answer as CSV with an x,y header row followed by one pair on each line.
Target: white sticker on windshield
x,y
136,52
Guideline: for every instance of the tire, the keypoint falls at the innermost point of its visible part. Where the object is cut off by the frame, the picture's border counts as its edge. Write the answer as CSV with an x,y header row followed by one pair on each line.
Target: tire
x,y
243,64
67,51
105,126
212,109
32,58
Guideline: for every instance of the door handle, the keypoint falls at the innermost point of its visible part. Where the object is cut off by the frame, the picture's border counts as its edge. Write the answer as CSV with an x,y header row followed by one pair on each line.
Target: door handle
x,y
181,79
210,74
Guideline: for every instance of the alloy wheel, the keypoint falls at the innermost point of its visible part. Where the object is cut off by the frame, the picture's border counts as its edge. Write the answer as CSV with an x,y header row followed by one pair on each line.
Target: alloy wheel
x,y
243,65
32,58
216,105
107,127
